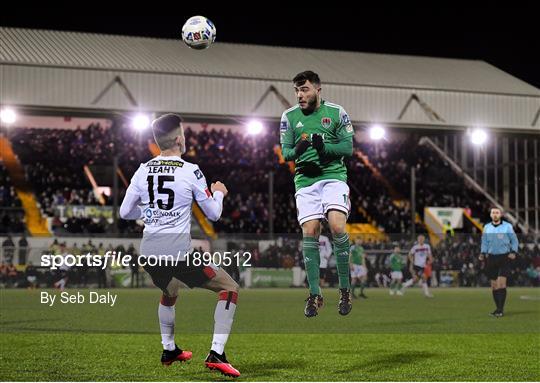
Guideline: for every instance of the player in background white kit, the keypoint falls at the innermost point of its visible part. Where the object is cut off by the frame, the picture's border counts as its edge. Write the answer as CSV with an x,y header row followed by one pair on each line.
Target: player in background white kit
x,y
161,193
419,255
325,250
63,270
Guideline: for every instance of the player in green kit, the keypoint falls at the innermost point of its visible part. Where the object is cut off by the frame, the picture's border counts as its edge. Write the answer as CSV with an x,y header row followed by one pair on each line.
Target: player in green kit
x,y
359,271
396,265
317,135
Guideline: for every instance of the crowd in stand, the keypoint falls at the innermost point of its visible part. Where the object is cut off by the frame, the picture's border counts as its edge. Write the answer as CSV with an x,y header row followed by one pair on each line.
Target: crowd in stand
x,y
244,163
53,160
8,196
372,198
436,183
11,213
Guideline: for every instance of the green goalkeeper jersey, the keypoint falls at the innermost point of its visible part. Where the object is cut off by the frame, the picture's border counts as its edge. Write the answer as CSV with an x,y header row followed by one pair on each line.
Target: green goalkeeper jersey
x,y
396,262
357,255
330,121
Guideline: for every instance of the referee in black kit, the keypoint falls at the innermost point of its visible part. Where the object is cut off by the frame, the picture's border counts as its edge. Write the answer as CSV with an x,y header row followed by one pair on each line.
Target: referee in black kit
x,y
499,247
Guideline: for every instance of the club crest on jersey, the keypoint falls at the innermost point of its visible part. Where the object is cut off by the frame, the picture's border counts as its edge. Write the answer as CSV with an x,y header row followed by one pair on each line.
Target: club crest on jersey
x,y
326,122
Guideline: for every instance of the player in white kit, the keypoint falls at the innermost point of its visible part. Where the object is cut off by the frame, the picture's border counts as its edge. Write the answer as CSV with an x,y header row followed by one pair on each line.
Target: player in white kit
x,y
161,193
419,255
325,250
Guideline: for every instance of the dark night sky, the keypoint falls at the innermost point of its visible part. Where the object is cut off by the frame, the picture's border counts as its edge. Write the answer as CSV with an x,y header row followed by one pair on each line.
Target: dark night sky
x,y
505,37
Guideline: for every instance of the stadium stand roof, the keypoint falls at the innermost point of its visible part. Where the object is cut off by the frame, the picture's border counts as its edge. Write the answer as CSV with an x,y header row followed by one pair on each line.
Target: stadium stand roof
x,y
113,52
391,79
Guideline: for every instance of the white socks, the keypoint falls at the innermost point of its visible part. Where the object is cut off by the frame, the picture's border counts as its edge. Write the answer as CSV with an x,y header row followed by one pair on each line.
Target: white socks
x,y
425,288
166,314
61,284
223,317
409,283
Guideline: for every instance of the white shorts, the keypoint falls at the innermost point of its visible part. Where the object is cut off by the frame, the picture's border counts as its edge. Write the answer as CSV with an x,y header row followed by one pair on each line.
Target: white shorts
x,y
324,263
358,271
396,275
313,202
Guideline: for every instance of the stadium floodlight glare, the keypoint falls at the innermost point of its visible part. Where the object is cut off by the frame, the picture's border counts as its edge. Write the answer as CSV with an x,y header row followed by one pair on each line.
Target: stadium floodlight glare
x,y
8,116
140,122
478,136
255,127
376,132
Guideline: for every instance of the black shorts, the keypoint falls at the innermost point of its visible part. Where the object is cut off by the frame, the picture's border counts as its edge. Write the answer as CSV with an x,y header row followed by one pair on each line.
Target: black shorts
x,y
419,271
498,266
192,276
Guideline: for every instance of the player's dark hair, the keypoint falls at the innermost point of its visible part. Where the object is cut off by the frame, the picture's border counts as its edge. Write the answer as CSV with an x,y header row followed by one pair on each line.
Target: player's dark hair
x,y
166,129
166,123
308,75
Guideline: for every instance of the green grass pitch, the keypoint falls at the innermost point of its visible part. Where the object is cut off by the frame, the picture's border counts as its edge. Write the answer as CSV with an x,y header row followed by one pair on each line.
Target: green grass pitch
x,y
448,338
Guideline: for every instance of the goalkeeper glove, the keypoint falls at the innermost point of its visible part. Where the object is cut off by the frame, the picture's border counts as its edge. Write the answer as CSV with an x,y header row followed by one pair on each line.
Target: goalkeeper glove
x,y
317,142
301,147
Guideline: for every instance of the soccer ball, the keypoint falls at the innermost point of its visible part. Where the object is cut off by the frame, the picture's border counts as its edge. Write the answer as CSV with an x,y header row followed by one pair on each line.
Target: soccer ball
x,y
198,32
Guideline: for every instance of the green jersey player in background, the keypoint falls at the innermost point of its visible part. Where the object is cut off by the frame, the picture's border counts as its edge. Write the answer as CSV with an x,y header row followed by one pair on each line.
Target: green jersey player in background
x,y
317,135
396,265
359,270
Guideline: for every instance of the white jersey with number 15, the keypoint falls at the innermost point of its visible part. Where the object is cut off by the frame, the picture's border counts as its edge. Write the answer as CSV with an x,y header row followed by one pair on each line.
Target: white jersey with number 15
x,y
167,187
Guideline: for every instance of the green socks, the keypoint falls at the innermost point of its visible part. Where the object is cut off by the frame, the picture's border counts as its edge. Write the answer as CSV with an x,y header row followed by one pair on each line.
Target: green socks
x,y
312,260
341,251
